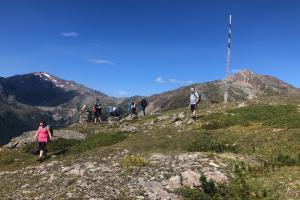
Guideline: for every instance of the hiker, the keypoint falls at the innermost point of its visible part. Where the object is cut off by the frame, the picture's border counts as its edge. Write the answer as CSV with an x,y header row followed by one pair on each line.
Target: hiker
x,y
132,109
116,111
144,104
195,99
97,111
43,136
113,111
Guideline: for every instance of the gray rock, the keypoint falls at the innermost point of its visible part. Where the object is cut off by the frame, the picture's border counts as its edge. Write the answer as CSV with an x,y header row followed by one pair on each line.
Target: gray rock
x,y
128,128
243,104
174,183
161,118
178,123
155,191
190,178
181,116
189,122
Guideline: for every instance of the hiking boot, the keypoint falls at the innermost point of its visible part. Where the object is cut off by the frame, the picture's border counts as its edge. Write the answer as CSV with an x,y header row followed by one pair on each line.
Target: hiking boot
x,y
40,159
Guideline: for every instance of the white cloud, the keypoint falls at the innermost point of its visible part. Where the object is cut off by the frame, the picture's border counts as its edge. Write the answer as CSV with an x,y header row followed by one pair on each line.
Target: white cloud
x,y
100,61
69,34
172,80
189,82
123,93
160,80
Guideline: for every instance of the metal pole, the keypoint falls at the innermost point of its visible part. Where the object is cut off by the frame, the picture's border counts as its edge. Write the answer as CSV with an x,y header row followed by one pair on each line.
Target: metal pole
x,y
228,62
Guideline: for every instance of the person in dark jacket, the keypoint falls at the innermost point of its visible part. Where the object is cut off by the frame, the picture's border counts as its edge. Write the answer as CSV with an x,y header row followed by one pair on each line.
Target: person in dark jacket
x,y
144,104
97,111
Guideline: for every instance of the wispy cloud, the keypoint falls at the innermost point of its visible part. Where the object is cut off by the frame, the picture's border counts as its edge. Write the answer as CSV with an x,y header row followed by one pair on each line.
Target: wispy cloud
x,y
101,61
160,80
172,80
123,93
69,34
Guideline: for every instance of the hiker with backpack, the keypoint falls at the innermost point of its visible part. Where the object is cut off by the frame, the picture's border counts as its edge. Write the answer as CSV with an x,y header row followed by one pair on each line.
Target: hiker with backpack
x,y
144,104
195,99
132,109
113,111
43,135
97,111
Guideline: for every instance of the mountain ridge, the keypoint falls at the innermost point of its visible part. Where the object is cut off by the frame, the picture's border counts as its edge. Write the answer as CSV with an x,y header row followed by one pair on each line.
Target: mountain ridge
x,y
65,98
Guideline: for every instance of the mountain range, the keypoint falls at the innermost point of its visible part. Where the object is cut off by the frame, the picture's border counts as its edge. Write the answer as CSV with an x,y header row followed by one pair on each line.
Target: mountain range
x,y
26,99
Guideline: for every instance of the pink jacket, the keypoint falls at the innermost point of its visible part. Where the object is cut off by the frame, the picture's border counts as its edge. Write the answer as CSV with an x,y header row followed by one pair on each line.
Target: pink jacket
x,y
43,135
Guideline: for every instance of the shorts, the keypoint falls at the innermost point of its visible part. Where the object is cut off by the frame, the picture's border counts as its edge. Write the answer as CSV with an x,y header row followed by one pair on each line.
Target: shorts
x,y
42,145
97,114
193,107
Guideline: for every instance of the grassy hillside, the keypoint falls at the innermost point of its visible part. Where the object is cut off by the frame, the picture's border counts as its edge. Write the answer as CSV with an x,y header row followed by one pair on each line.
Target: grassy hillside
x,y
259,144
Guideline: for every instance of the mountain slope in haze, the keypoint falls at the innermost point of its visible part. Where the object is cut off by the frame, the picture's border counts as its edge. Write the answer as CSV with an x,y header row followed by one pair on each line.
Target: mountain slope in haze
x,y
243,86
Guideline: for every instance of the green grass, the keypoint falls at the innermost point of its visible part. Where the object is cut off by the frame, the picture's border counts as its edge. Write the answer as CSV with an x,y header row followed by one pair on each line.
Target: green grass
x,y
10,160
268,133
98,140
280,116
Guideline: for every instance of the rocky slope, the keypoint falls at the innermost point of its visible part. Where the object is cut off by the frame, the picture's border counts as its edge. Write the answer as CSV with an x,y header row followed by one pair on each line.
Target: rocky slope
x,y
230,152
108,178
26,99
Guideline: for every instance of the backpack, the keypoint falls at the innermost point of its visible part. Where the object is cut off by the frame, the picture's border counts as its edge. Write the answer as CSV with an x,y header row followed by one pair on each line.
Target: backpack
x,y
199,97
94,109
144,103
51,130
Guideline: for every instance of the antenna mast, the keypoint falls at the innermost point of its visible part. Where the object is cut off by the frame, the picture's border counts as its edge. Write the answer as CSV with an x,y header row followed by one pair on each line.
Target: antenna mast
x,y
228,62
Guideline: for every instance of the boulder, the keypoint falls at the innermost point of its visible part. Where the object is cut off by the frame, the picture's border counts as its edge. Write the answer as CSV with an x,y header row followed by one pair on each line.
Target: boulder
x,y
128,128
181,116
178,123
190,178
161,118
241,105
174,183
26,137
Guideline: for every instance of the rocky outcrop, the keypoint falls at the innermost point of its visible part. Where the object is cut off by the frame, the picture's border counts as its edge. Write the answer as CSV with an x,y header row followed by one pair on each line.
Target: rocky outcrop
x,y
27,137
107,177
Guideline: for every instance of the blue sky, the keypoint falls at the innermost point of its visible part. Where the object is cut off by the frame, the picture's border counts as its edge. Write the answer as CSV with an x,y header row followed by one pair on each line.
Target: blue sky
x,y
143,47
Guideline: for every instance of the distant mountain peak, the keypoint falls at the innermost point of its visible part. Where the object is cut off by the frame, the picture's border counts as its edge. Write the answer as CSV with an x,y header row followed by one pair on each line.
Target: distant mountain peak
x,y
244,72
243,76
56,81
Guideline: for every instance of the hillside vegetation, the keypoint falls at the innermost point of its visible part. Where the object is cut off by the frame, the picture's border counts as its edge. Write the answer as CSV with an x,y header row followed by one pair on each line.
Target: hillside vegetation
x,y
257,147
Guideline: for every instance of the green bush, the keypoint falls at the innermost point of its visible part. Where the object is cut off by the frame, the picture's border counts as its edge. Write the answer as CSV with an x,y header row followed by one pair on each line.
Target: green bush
x,y
285,160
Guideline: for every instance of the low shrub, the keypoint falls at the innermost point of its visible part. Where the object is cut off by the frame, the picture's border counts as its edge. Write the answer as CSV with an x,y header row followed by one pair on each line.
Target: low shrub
x,y
134,161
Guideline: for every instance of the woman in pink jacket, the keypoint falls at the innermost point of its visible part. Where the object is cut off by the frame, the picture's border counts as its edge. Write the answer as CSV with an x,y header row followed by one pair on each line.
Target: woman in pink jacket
x,y
43,136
